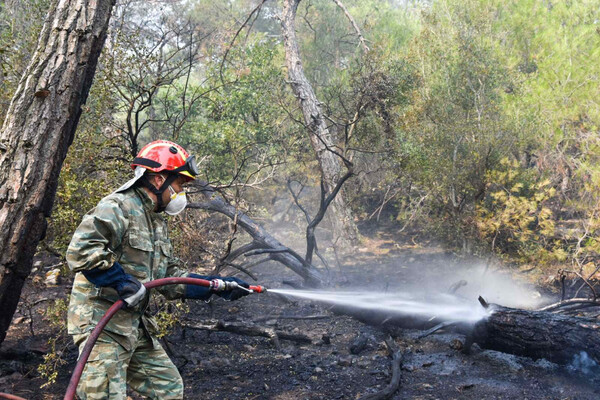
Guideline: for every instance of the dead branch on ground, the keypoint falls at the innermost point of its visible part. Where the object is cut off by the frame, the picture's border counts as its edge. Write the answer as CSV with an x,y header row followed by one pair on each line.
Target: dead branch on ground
x,y
293,317
436,328
394,384
581,303
248,329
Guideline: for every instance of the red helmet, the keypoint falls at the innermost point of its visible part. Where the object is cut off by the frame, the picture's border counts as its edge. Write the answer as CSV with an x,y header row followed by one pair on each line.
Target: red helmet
x,y
162,155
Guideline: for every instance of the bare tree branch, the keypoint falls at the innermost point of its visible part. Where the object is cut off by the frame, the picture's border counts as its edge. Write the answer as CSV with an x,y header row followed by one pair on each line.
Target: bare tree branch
x,y
255,10
361,39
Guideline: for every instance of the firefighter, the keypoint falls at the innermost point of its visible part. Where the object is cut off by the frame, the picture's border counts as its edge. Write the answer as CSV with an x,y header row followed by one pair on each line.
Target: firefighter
x,y
120,244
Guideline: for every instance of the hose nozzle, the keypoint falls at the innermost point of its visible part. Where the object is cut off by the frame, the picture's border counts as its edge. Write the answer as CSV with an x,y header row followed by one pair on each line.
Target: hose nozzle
x,y
258,289
219,285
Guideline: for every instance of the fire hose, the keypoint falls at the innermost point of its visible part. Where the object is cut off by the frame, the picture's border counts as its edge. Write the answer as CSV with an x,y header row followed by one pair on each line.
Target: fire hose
x,y
215,285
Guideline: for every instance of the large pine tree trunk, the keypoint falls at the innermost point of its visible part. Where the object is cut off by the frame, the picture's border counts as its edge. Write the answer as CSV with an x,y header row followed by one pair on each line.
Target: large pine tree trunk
x,y
344,229
37,132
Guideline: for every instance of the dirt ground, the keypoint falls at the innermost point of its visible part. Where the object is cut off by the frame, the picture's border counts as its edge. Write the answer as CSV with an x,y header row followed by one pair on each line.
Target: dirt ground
x,y
222,365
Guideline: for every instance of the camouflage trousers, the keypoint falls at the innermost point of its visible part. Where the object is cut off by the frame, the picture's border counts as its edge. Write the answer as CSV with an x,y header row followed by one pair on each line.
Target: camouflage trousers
x,y
146,368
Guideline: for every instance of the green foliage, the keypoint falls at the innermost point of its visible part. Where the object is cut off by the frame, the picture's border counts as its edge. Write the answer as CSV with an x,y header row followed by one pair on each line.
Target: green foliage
x,y
76,195
92,169
504,128
476,118
461,122
169,316
329,42
240,126
516,215
56,317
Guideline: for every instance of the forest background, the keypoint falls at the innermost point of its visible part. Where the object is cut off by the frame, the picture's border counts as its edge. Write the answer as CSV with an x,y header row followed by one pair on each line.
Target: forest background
x,y
475,122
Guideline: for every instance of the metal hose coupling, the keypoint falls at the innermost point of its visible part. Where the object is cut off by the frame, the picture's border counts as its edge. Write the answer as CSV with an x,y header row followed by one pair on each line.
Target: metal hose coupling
x,y
219,285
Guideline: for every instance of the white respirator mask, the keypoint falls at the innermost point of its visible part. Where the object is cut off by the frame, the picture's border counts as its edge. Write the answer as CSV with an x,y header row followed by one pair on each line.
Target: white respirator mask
x,y
177,203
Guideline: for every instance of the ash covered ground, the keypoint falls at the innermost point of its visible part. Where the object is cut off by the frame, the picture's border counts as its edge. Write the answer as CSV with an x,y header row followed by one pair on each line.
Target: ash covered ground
x,y
222,365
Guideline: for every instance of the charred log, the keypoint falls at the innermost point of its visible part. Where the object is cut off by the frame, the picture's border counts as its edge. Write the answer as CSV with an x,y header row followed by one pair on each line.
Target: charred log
x,y
539,334
384,320
536,334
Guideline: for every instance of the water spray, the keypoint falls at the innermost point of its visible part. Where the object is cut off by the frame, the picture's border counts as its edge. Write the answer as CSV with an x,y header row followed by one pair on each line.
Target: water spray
x,y
443,306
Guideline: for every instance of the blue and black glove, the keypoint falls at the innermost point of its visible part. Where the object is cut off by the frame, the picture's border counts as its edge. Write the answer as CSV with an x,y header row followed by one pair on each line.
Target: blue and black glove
x,y
204,293
129,289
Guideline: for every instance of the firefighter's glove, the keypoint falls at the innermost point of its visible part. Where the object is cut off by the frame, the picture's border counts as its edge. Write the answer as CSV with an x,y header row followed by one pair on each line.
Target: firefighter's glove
x,y
204,293
198,292
129,289
236,293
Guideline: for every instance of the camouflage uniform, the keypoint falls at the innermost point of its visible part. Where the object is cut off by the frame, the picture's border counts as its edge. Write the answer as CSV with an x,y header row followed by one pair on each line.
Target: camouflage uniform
x,y
123,227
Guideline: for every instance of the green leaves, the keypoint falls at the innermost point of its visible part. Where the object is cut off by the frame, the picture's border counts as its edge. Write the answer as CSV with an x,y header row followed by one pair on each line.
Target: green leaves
x,y
515,216
480,117
240,127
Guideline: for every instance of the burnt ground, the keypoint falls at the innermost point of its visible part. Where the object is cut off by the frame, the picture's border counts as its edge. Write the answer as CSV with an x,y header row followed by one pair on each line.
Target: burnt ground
x,y
222,365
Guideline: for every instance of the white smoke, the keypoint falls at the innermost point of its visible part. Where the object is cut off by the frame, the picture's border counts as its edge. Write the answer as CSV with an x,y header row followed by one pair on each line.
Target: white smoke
x,y
582,362
494,286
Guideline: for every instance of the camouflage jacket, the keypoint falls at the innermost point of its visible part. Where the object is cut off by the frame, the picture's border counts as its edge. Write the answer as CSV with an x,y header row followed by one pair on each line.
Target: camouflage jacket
x,y
123,227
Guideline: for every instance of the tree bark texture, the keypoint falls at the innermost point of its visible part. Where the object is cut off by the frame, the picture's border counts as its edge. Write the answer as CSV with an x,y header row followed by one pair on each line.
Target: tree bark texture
x,y
344,229
539,334
37,132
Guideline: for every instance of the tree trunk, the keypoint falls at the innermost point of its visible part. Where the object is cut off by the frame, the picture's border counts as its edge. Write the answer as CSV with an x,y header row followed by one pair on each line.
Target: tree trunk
x,y
344,229
37,132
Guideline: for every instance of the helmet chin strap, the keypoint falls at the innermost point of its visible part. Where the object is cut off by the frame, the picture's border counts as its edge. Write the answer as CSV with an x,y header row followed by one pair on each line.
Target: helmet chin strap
x,y
158,192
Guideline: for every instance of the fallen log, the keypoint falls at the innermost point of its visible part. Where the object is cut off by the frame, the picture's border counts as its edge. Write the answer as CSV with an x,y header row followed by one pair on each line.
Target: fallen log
x,y
248,329
537,334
